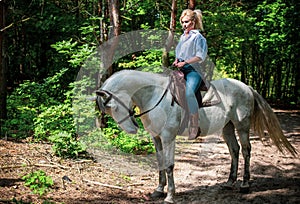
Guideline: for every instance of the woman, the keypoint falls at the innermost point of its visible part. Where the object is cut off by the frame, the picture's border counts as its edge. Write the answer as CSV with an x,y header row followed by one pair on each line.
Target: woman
x,y
190,52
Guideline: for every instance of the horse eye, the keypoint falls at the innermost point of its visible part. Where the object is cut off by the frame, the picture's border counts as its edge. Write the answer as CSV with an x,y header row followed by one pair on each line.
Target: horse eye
x,y
112,106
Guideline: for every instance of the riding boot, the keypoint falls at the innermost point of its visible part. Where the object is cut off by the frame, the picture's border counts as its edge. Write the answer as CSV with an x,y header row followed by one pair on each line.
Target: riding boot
x,y
194,129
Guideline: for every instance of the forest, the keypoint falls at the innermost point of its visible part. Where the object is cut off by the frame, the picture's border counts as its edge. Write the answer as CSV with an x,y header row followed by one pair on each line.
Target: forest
x,y
45,43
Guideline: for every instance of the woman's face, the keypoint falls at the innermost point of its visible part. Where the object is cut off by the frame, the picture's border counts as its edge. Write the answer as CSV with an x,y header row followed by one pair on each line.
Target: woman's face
x,y
187,24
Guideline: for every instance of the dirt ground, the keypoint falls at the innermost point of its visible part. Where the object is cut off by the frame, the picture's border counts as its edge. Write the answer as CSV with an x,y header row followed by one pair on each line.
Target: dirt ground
x,y
201,167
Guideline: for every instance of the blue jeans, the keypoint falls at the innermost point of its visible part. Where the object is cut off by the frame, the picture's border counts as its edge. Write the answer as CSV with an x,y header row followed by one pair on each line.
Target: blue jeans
x,y
193,81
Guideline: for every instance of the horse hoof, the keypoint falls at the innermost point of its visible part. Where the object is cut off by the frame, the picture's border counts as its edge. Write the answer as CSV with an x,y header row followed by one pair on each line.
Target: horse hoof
x,y
245,188
169,201
227,186
157,194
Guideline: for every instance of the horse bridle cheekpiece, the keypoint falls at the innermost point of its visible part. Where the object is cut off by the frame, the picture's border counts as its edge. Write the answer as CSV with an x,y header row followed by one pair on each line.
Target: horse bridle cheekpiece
x,y
102,105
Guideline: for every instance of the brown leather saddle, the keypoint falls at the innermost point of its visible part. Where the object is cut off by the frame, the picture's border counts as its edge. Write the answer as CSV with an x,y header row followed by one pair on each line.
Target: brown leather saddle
x,y
177,89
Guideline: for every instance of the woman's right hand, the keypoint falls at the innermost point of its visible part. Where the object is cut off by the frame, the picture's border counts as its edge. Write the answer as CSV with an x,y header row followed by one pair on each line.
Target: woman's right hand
x,y
180,64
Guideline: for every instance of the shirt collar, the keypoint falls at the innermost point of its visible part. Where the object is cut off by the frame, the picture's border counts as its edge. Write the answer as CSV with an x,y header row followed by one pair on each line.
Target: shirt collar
x,y
194,31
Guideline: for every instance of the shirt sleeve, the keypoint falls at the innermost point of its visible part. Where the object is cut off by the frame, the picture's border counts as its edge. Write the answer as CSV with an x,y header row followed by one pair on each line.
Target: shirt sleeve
x,y
201,47
178,51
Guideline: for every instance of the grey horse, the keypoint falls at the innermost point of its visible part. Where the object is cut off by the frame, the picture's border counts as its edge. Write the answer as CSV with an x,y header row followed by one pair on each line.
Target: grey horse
x,y
240,108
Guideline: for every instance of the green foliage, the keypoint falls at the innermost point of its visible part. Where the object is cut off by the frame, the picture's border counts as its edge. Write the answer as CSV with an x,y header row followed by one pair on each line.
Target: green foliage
x,y
53,120
29,100
65,144
28,42
136,12
229,31
255,42
38,182
77,52
140,143
270,26
15,201
149,61
44,111
273,32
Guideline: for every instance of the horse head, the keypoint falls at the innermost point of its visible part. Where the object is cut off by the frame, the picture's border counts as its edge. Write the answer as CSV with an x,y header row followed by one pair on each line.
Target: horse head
x,y
119,107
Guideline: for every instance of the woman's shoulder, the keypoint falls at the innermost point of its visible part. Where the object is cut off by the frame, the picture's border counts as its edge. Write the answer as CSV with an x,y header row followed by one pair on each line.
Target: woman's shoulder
x,y
197,34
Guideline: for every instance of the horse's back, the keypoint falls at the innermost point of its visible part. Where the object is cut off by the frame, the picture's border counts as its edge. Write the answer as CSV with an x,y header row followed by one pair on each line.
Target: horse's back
x,y
236,97
233,84
232,89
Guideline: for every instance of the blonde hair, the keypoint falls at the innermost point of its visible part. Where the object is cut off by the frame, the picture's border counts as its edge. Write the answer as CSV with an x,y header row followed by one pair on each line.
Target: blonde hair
x,y
195,16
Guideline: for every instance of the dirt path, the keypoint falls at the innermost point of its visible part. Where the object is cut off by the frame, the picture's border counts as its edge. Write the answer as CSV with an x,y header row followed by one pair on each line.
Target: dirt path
x,y
201,167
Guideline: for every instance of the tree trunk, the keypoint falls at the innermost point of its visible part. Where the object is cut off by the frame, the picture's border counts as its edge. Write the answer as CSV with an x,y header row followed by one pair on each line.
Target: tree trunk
x,y
297,80
170,39
279,80
3,74
108,52
192,4
114,15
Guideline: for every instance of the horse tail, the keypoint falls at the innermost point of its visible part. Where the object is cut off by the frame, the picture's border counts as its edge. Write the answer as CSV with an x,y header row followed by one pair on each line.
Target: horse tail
x,y
264,118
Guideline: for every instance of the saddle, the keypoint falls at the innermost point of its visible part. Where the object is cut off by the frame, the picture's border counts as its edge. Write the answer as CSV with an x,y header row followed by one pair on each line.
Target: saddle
x,y
177,89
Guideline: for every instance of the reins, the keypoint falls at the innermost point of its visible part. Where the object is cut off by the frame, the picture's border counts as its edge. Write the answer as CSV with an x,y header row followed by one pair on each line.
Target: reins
x,y
158,102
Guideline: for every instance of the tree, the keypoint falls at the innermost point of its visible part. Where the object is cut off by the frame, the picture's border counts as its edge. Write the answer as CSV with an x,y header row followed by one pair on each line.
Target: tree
x,y
3,75
170,39
107,56
192,4
114,14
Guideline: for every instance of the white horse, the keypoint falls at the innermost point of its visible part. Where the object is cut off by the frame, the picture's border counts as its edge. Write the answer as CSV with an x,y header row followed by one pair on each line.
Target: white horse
x,y
240,107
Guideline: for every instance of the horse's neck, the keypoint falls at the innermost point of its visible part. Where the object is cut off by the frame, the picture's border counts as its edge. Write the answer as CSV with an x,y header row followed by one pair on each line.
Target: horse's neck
x,y
146,89
143,88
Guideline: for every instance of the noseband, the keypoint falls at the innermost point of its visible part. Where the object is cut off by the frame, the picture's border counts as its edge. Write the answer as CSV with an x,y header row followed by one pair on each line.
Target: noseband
x,y
131,112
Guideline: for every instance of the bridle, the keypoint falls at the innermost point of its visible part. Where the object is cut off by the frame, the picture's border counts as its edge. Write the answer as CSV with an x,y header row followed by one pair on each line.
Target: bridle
x,y
101,106
131,112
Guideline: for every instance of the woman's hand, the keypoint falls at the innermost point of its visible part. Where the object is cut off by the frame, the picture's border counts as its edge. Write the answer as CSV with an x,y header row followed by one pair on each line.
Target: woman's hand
x,y
175,63
189,61
180,64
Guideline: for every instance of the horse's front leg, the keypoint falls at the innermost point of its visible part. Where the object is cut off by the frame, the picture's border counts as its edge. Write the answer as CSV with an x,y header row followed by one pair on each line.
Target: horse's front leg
x,y
165,156
159,191
169,151
171,185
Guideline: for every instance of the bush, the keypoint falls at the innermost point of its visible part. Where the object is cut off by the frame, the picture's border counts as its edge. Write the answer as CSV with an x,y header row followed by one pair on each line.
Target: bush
x,y
44,110
29,100
66,145
38,182
53,120
140,143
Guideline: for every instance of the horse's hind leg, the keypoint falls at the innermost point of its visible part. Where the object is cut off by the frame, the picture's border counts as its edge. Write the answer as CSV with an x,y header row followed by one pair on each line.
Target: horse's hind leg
x,y
246,150
234,148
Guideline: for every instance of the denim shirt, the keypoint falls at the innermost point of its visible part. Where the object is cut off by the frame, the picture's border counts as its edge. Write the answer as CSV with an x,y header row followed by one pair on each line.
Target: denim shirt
x,y
190,46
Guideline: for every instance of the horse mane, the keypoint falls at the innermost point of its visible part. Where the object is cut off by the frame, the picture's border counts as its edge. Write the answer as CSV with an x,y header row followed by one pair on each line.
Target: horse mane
x,y
115,81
